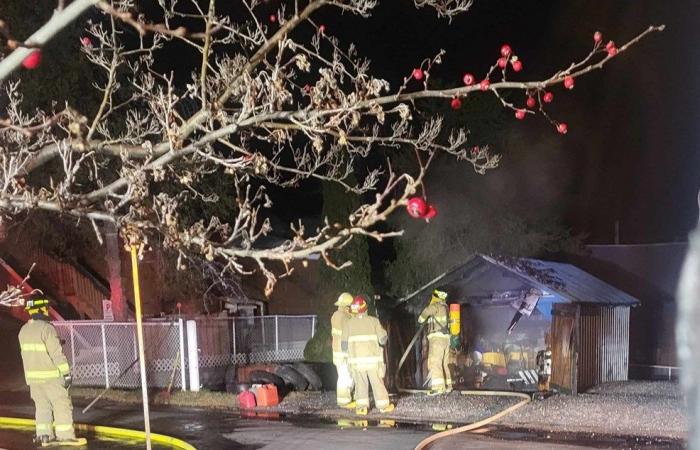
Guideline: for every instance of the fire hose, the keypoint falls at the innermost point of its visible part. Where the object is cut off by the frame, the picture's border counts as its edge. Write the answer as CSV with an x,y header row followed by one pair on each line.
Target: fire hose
x,y
524,399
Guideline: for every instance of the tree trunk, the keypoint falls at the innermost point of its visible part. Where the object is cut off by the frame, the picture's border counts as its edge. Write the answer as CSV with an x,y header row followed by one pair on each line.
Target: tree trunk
x,y
114,262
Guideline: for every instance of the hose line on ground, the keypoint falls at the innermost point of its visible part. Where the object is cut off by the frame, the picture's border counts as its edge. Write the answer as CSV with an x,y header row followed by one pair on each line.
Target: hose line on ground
x,y
524,399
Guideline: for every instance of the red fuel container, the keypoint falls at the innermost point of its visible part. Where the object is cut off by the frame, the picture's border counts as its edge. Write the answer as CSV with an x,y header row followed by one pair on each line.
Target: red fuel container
x,y
267,395
246,399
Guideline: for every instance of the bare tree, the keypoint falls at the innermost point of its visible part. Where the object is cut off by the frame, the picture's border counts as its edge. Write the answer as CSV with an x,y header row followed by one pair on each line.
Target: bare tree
x,y
277,100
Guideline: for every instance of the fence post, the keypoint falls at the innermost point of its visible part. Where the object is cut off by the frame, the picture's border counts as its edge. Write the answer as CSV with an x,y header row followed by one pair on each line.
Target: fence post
x,y
183,383
313,326
104,355
72,349
193,355
233,322
277,336
262,325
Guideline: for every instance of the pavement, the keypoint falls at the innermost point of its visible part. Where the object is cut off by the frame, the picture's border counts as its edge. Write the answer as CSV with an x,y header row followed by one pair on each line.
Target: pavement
x,y
206,429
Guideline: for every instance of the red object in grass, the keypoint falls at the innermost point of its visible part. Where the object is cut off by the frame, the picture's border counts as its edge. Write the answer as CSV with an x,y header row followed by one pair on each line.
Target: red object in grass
x,y
517,65
562,128
456,103
33,60
506,50
597,37
416,207
520,114
431,213
548,97
569,82
502,62
468,79
531,102
484,85
246,399
418,74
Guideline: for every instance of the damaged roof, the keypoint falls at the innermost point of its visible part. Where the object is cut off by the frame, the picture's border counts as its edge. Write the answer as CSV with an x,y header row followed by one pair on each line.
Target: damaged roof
x,y
572,284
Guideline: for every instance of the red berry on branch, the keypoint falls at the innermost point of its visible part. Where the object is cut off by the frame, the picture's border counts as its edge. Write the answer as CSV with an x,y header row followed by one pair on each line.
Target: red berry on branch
x,y
502,62
520,114
562,128
322,29
416,207
475,151
597,37
431,213
517,65
548,97
612,51
506,50
456,103
569,82
273,18
468,79
418,74
531,102
86,42
484,85
33,60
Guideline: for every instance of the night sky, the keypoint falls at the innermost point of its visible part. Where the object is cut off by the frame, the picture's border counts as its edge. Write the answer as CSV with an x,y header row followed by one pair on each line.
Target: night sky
x,y
631,153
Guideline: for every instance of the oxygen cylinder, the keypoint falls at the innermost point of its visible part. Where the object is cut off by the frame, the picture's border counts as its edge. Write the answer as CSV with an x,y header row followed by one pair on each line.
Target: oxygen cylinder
x,y
455,324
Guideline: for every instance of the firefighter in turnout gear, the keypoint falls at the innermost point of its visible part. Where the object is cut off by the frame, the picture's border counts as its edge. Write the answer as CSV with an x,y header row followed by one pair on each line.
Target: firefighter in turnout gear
x,y
363,338
47,373
340,358
436,314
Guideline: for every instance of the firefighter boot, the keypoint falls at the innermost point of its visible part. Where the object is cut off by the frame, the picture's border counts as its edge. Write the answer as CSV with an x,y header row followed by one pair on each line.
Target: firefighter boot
x,y
361,411
40,440
389,408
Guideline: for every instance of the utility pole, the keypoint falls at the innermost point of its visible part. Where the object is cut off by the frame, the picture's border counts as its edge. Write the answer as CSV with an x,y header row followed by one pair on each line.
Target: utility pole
x,y
139,337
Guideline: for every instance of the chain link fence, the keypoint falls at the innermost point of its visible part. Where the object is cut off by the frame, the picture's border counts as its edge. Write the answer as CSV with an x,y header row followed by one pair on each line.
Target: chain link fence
x,y
105,354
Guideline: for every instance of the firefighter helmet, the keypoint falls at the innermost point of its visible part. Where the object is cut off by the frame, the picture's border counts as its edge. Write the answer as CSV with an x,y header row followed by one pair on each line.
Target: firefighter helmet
x,y
37,305
438,296
345,299
358,305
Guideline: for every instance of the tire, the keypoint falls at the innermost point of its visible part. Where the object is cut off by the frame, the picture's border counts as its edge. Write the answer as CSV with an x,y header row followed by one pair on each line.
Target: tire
x,y
292,377
315,383
264,377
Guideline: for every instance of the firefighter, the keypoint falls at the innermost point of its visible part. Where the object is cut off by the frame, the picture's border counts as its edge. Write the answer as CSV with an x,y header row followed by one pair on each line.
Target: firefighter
x,y
363,338
48,375
340,358
438,342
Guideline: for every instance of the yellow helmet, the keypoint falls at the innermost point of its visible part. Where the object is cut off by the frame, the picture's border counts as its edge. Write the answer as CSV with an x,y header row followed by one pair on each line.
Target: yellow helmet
x,y
37,305
344,299
438,296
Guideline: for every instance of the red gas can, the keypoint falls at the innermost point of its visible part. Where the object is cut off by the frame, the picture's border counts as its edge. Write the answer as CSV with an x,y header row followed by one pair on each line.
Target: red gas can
x,y
246,399
267,395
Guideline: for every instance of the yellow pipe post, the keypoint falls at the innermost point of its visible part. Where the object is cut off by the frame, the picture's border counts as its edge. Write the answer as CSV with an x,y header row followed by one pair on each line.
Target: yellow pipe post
x,y
139,337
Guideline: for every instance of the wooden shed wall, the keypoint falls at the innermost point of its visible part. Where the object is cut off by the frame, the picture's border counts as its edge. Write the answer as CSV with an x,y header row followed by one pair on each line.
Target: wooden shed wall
x,y
603,353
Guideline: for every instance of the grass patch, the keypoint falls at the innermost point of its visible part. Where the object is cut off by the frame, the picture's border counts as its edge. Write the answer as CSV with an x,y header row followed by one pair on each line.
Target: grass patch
x,y
202,399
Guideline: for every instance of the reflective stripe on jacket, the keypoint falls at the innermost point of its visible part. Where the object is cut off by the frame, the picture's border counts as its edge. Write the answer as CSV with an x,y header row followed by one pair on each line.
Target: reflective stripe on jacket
x,y
42,355
363,336
338,320
436,315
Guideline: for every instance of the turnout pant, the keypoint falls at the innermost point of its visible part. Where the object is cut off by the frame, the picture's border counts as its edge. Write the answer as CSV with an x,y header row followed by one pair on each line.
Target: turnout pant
x,y
54,410
364,376
438,357
343,388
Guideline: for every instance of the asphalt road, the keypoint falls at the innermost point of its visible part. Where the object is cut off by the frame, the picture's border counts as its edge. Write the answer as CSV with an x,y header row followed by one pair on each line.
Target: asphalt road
x,y
220,430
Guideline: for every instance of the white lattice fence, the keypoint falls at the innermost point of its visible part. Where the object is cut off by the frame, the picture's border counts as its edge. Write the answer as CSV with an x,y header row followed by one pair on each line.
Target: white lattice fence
x,y
104,354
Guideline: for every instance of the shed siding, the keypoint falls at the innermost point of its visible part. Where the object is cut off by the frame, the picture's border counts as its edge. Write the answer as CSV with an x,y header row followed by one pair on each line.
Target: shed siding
x,y
603,353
